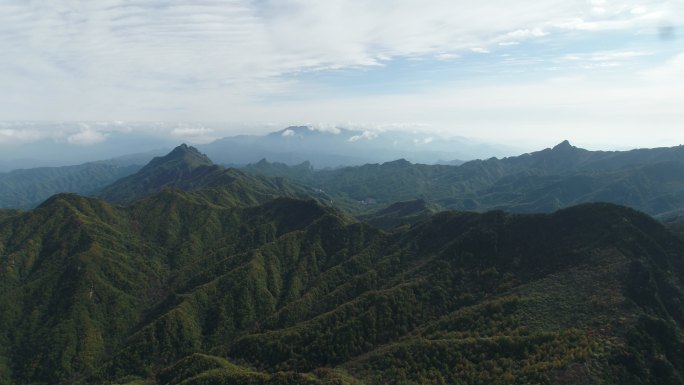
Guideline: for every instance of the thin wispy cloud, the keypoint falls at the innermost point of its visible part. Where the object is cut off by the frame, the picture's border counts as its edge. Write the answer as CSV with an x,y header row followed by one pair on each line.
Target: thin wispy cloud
x,y
243,60
605,56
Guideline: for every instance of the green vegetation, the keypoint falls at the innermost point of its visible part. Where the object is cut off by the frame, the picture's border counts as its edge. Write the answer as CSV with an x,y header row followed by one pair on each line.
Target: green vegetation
x,y
6,213
187,169
401,214
28,188
544,181
276,291
231,284
675,224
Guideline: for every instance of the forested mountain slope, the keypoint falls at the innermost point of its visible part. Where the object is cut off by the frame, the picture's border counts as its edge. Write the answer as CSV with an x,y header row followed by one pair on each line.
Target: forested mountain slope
x,y
180,288
649,180
28,188
188,169
198,274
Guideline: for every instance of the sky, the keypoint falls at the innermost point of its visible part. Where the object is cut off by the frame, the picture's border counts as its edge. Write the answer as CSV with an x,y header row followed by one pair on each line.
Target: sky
x,y
605,74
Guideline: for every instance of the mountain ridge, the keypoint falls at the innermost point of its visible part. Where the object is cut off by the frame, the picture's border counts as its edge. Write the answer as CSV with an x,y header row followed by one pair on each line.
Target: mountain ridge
x,y
545,170
339,146
186,168
542,181
183,157
219,276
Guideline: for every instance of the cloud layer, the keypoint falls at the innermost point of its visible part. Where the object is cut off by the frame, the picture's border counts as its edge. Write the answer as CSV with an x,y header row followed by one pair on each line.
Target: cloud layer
x,y
230,60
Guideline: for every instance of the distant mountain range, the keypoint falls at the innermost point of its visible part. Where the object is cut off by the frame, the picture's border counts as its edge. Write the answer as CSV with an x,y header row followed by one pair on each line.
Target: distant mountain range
x,y
70,143
27,186
198,274
56,144
345,147
544,181
30,187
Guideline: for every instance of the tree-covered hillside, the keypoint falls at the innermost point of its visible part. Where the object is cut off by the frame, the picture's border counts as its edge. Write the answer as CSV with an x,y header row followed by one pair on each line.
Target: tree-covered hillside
x,y
28,188
213,276
187,169
648,180
180,288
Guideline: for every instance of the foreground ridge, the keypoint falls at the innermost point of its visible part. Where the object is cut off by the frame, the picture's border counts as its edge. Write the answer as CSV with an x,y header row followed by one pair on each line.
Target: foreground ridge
x,y
180,288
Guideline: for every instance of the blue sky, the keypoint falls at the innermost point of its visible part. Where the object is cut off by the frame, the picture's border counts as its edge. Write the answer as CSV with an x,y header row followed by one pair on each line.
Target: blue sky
x,y
602,73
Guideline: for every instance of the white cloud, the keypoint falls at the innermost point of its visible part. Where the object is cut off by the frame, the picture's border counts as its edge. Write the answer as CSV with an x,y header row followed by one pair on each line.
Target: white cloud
x,y
524,34
287,133
447,56
86,137
605,56
142,60
601,59
244,61
480,50
368,135
424,141
185,132
324,127
20,135
590,110
621,18
194,134
671,72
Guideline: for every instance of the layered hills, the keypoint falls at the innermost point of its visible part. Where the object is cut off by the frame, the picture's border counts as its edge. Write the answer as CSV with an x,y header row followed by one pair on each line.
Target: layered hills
x,y
323,146
30,187
188,169
335,147
542,181
199,278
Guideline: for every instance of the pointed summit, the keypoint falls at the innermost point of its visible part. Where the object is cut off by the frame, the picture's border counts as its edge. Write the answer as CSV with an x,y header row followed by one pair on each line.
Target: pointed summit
x,y
176,168
183,156
564,145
